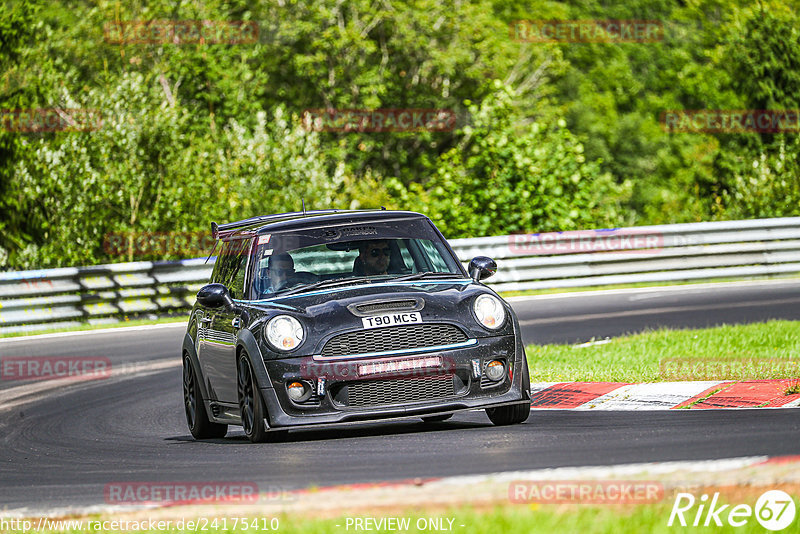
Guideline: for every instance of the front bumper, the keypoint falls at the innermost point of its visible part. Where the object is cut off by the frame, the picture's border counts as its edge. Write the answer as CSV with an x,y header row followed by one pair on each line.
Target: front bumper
x,y
352,394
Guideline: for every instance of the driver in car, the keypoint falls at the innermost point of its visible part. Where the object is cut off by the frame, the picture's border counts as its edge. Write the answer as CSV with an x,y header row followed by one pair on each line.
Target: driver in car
x,y
374,256
280,269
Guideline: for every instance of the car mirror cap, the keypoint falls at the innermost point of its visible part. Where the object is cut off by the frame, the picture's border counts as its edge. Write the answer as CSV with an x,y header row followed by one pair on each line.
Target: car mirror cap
x,y
215,296
482,267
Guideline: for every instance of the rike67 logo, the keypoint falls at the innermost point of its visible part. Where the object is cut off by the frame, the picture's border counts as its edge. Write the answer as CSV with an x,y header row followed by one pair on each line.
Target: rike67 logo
x,y
774,510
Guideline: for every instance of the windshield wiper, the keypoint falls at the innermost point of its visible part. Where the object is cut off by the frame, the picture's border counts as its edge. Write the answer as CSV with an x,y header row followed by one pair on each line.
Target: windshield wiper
x,y
416,276
326,283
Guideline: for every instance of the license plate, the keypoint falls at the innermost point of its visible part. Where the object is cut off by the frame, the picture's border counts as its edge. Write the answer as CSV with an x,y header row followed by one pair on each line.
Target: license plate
x,y
391,319
398,366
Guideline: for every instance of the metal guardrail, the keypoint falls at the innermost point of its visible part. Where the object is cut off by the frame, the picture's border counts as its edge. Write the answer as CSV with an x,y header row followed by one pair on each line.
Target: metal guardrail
x,y
55,298
668,253
58,298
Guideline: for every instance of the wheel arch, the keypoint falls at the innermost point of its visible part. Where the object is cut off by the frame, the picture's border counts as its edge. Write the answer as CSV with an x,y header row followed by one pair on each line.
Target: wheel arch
x,y
189,349
246,342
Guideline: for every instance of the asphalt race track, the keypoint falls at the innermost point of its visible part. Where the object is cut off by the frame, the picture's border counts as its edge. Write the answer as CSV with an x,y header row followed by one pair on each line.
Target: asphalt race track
x,y
582,316
61,447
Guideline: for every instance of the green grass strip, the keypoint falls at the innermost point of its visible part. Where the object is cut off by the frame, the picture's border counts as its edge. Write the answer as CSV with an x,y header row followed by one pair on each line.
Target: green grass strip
x,y
768,350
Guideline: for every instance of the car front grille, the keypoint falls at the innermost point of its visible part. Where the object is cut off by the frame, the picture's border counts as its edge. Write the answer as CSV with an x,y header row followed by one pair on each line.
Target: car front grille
x,y
381,392
394,305
393,338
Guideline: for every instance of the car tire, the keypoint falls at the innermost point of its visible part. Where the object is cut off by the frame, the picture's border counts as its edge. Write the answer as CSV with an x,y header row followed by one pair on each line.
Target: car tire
x,y
437,418
196,416
251,405
518,413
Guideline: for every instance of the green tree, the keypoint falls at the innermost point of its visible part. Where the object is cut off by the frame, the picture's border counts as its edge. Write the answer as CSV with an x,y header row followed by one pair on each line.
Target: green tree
x,y
17,227
504,177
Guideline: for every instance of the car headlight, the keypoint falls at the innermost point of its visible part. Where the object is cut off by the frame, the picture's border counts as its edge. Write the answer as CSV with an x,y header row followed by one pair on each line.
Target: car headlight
x,y
489,311
284,332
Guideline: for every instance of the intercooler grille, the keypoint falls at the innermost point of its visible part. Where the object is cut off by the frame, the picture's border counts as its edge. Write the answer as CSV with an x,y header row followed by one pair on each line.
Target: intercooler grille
x,y
394,305
380,392
393,338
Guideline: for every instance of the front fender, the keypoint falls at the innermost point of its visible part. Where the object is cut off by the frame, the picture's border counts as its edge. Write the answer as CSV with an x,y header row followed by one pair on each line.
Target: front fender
x,y
246,341
521,363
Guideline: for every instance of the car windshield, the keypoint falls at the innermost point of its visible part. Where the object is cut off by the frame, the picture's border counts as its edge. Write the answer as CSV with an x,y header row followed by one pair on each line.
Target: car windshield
x,y
356,253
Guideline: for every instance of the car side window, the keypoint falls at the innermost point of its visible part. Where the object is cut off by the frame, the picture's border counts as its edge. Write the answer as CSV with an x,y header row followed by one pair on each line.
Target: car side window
x,y
241,254
237,284
231,266
216,273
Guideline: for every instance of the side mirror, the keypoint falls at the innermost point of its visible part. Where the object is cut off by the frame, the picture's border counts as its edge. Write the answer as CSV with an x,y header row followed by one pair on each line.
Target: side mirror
x,y
214,296
482,267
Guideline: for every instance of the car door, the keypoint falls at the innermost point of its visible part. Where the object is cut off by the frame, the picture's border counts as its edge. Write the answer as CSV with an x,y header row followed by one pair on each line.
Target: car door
x,y
218,346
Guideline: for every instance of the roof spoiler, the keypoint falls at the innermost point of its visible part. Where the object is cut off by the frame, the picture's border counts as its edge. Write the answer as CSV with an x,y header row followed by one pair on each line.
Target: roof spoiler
x,y
217,228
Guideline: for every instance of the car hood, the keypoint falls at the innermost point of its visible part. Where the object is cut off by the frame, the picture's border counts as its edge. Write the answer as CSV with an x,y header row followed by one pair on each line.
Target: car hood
x,y
331,310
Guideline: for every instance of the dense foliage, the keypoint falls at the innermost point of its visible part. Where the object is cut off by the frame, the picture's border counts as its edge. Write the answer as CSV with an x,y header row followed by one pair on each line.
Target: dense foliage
x,y
548,136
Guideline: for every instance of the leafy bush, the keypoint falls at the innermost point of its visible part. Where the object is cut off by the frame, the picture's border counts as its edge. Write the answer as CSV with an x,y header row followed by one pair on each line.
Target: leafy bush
x,y
154,167
510,175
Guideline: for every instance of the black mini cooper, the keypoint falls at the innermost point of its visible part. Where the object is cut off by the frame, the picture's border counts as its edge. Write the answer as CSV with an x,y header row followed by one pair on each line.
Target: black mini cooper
x,y
337,317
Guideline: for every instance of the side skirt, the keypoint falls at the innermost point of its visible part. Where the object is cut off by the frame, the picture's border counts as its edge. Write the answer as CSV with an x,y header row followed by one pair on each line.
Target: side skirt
x,y
222,412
